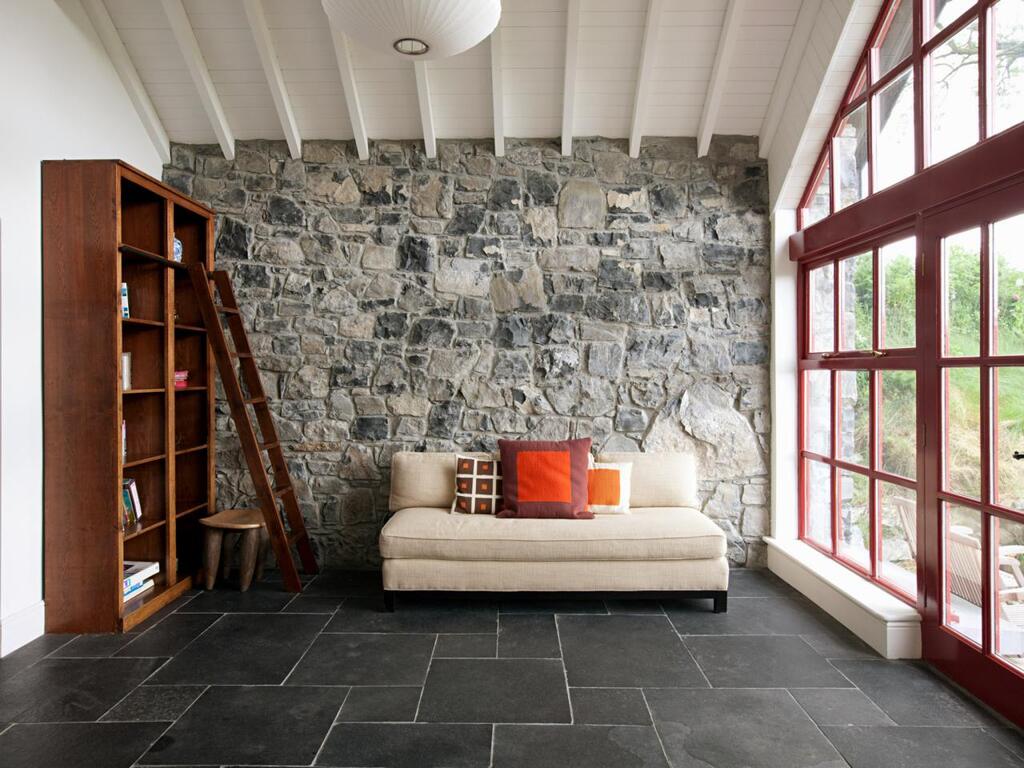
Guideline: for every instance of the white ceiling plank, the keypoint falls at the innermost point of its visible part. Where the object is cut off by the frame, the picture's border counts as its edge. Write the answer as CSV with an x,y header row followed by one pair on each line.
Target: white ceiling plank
x,y
118,54
498,93
426,112
189,46
719,75
788,72
572,38
643,75
272,68
348,85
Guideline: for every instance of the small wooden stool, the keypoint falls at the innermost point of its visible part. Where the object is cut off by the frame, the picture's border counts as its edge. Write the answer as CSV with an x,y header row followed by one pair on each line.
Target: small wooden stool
x,y
247,523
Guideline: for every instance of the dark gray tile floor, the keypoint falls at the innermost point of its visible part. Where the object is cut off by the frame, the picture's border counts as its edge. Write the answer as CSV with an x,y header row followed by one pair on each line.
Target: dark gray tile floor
x,y
326,679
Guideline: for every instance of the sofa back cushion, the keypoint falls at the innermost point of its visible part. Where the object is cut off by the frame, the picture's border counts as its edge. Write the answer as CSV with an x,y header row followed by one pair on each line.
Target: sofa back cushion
x,y
423,479
659,479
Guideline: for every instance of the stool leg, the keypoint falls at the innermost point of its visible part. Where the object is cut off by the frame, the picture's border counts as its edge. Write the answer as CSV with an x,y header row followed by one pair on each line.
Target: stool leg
x,y
211,555
261,557
250,548
230,540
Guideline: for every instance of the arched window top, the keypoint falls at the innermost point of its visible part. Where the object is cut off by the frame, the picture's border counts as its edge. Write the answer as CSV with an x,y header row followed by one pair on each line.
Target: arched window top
x,y
935,78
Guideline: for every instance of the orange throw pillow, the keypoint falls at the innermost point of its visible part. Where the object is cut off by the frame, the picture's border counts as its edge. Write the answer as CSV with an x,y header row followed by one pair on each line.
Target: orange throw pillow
x,y
608,488
544,478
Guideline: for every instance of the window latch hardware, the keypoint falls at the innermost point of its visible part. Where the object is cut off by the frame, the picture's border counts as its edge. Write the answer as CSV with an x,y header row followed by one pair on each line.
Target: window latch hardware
x,y
1018,455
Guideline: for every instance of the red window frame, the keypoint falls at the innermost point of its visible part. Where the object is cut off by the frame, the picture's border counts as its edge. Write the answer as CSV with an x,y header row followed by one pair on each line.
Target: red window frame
x,y
866,83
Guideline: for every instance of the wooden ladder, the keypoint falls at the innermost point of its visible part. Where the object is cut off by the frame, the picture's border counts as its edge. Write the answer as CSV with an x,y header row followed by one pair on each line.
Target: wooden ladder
x,y
254,447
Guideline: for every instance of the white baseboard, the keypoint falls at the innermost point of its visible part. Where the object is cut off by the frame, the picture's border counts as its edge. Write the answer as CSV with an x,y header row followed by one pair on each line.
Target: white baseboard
x,y
886,623
22,627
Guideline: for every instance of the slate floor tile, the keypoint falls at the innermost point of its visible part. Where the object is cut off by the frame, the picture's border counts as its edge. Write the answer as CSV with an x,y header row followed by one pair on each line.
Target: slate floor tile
x,y
920,747
466,646
594,746
637,605
495,691
345,584
92,646
261,598
259,725
530,636
82,745
836,706
552,604
54,690
380,704
1009,737
170,636
30,653
243,649
758,582
625,651
609,706
911,695
838,642
313,604
431,616
749,616
394,745
173,607
154,703
738,729
365,659
745,661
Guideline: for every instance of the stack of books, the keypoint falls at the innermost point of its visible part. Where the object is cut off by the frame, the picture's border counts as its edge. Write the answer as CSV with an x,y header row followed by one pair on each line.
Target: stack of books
x,y
131,506
180,379
138,577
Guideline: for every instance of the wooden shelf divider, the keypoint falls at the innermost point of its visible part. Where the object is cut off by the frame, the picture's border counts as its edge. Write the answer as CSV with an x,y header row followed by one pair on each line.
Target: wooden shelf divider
x,y
104,224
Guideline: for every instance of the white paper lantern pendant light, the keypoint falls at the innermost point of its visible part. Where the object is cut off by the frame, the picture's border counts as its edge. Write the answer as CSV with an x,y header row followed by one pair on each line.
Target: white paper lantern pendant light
x,y
415,29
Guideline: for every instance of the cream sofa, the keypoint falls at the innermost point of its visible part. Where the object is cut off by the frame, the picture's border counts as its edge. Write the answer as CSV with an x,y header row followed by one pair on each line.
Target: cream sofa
x,y
665,545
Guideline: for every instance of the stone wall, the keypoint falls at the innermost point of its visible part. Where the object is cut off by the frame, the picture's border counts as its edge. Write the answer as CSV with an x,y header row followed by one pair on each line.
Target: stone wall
x,y
413,304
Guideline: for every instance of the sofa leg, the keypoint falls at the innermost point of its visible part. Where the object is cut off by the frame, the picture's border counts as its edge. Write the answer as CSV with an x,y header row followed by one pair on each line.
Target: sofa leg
x,y
389,601
721,602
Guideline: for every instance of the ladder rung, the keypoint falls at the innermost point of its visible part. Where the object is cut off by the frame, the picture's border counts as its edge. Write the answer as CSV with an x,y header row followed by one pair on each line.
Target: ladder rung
x,y
255,400
269,446
294,537
242,355
226,310
282,491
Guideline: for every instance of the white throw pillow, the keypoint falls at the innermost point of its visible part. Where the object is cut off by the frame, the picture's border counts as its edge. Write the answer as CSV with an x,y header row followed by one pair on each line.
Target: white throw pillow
x,y
608,488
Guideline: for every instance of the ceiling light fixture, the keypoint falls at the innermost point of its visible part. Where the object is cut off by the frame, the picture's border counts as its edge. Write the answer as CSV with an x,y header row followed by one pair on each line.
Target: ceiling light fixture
x,y
421,29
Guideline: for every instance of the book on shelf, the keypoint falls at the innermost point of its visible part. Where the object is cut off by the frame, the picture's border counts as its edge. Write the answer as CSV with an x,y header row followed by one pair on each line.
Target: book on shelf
x,y
131,502
124,300
138,571
126,510
180,379
124,441
136,591
126,371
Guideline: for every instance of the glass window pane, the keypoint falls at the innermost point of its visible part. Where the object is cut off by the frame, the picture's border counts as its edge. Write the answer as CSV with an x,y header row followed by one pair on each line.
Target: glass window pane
x,y
818,412
948,11
818,207
1008,247
954,94
899,37
1009,429
963,571
856,279
819,503
899,294
894,154
851,156
854,409
860,83
963,431
899,422
898,558
1008,536
822,294
1008,78
855,518
961,290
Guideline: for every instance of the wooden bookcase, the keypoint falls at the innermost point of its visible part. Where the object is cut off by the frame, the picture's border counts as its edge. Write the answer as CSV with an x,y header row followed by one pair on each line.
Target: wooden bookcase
x,y
105,223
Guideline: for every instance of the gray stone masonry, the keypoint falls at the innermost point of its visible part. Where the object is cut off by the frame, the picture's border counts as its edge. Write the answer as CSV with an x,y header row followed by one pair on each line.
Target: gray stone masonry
x,y
404,304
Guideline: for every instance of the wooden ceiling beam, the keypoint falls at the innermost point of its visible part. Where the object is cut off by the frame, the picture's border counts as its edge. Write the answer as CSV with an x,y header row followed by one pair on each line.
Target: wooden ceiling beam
x,y
798,41
348,85
643,75
272,69
572,39
498,92
719,75
181,28
426,111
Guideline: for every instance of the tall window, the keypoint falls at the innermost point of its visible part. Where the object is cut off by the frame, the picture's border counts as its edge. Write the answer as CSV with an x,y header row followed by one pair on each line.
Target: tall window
x,y
936,77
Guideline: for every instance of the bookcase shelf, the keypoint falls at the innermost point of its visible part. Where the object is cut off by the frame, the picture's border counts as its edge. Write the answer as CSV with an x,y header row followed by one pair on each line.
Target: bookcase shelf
x,y
106,224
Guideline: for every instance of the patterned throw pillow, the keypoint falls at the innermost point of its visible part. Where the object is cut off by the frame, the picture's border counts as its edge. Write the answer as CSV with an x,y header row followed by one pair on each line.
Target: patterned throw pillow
x,y
608,488
477,486
545,478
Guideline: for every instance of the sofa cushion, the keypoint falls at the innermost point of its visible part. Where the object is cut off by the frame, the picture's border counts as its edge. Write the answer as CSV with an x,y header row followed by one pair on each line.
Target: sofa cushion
x,y
424,479
660,479
653,533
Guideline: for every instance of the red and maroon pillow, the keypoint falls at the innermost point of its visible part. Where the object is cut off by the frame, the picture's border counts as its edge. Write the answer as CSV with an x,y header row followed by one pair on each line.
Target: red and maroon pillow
x,y
545,478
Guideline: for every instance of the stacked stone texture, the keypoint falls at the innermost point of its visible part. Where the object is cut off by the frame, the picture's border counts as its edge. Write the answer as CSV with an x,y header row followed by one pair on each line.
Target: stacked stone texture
x,y
408,304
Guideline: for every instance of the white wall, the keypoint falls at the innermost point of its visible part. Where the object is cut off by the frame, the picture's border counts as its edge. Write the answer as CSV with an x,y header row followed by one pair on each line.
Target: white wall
x,y
59,98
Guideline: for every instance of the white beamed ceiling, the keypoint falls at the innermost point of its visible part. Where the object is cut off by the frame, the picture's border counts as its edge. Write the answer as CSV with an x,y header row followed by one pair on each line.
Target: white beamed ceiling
x,y
533,66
